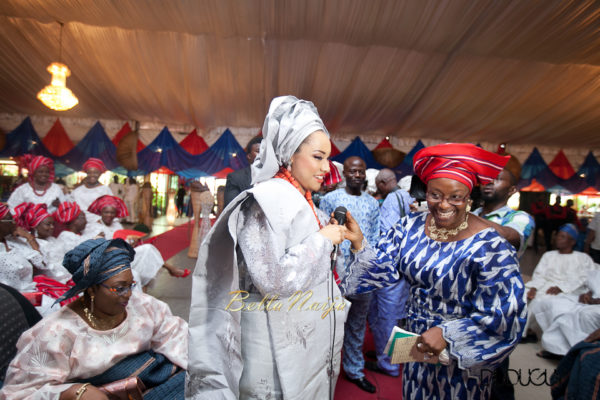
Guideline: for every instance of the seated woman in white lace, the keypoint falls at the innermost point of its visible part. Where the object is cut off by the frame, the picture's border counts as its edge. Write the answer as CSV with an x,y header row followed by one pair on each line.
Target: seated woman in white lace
x,y
17,258
148,260
110,323
35,219
73,218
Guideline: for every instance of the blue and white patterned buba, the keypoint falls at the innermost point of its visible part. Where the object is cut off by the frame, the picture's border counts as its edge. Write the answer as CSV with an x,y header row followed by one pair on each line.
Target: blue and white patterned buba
x,y
466,292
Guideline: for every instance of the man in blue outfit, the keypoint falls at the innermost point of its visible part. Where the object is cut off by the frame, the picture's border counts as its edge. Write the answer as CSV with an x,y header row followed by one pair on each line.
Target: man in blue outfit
x,y
388,304
365,210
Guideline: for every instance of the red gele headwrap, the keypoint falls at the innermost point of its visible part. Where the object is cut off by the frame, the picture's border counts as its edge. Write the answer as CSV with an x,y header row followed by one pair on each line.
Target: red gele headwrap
x,y
29,215
3,210
94,163
109,201
67,212
333,176
34,162
462,162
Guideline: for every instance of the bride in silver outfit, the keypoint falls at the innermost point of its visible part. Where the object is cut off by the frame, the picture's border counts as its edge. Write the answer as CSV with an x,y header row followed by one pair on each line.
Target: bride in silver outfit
x,y
266,320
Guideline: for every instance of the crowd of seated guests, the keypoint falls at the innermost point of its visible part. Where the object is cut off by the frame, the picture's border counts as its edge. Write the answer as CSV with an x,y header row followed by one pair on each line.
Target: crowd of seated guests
x,y
107,328
109,334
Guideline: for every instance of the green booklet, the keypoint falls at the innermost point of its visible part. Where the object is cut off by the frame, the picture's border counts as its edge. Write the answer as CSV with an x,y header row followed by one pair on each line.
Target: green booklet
x,y
399,346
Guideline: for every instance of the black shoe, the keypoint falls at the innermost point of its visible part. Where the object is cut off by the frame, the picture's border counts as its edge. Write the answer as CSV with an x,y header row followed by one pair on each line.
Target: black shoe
x,y
371,354
364,384
372,366
549,356
529,338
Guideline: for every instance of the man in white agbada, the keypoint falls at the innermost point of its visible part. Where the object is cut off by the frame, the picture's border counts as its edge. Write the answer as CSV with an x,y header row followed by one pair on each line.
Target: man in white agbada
x,y
269,242
567,319
562,270
558,271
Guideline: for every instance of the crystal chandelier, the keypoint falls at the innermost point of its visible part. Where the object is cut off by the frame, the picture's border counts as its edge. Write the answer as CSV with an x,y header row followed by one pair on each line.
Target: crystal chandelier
x,y
56,95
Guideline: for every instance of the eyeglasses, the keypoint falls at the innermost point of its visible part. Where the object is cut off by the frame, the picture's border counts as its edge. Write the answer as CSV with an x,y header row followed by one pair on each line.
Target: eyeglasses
x,y
120,290
454,199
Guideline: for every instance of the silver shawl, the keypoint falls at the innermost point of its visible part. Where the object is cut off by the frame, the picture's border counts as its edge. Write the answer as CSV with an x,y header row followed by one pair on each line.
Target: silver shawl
x,y
300,337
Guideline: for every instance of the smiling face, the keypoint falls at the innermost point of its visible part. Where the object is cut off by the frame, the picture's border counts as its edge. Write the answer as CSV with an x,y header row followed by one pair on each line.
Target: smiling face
x,y
45,228
41,176
309,163
447,202
93,174
355,173
108,214
108,302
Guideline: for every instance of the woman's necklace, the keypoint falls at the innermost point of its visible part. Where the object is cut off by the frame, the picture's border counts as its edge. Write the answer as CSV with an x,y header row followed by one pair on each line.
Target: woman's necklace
x,y
442,233
284,174
36,192
96,323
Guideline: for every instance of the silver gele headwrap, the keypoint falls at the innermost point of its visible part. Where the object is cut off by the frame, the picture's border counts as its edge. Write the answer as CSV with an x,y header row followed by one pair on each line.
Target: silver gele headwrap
x,y
287,124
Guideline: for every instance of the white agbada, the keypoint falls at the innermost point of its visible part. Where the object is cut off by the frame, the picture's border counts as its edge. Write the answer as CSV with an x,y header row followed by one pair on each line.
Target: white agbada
x,y
85,196
567,271
564,320
25,193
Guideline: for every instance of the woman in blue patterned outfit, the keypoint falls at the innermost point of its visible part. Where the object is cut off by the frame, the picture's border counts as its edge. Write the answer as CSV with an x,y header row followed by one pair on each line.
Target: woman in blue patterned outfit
x,y
466,292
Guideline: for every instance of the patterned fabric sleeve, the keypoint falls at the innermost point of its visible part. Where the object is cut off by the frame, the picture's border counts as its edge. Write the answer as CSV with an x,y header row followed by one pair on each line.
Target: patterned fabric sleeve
x,y
41,367
170,336
496,322
374,268
302,266
524,224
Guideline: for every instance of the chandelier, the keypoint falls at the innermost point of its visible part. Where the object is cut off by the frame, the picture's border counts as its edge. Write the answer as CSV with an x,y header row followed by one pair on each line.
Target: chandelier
x,y
56,95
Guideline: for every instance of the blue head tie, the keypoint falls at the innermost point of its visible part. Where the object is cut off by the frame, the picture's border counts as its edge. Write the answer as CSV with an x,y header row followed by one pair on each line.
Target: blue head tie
x,y
569,229
94,261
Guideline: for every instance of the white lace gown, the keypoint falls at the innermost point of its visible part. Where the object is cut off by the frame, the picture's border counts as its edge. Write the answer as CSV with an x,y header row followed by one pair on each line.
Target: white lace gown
x,y
25,193
85,196
63,348
17,263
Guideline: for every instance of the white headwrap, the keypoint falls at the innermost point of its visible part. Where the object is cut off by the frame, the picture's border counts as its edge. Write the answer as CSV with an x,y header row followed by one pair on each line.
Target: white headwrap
x,y
287,124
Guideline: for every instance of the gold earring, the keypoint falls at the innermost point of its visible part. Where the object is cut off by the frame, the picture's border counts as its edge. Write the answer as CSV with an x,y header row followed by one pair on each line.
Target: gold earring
x,y
469,207
92,304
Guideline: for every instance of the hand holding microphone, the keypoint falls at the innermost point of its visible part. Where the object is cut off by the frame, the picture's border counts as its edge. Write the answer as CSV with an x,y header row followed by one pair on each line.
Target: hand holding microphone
x,y
336,231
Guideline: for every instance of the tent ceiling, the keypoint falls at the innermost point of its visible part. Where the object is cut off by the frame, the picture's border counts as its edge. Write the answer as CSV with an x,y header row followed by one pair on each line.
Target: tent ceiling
x,y
522,72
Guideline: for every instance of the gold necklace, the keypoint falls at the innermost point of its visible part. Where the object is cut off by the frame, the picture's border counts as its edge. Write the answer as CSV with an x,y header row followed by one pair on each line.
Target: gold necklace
x,y
442,233
95,322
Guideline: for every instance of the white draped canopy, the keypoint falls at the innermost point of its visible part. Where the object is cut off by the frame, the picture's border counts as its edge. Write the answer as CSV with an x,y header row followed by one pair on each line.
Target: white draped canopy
x,y
523,72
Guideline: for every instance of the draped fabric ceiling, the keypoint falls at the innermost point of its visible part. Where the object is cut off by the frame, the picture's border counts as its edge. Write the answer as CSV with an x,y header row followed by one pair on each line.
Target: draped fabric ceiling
x,y
521,72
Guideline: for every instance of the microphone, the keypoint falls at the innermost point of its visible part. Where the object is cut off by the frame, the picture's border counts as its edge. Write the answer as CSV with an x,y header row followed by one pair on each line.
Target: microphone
x,y
339,214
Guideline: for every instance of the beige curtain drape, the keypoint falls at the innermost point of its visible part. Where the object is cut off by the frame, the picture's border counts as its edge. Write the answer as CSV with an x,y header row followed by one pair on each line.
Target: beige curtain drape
x,y
522,72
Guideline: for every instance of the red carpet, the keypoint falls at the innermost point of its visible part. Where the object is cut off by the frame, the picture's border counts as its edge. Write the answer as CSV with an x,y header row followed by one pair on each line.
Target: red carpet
x,y
388,388
172,242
